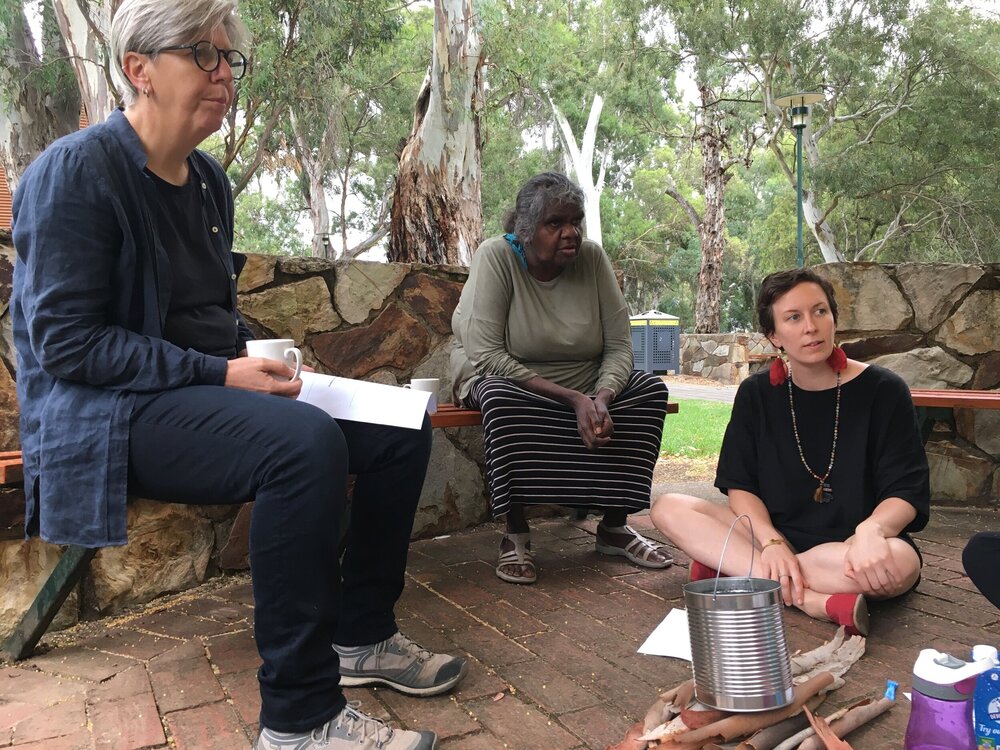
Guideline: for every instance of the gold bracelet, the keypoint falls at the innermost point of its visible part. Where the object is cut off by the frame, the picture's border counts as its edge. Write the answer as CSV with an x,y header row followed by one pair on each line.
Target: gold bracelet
x,y
772,542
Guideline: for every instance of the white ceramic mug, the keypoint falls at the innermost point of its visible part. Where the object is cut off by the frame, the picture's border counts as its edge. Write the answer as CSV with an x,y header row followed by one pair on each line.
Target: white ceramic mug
x,y
282,350
428,385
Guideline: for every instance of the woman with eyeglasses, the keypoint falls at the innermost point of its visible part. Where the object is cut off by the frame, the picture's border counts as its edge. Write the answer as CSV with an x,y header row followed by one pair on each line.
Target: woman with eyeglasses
x,y
133,378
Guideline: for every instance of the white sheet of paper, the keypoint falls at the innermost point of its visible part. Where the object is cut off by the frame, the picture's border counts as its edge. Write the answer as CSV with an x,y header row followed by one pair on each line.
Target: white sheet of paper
x,y
361,401
670,638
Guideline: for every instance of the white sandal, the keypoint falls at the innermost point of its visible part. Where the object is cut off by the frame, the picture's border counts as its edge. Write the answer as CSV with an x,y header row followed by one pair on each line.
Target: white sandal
x,y
520,555
639,551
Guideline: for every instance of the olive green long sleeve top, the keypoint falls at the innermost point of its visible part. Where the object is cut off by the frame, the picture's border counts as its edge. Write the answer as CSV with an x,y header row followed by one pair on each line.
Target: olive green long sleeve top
x,y
573,330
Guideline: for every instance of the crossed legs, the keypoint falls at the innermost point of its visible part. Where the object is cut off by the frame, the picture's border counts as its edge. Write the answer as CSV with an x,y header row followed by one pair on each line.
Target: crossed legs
x,y
699,528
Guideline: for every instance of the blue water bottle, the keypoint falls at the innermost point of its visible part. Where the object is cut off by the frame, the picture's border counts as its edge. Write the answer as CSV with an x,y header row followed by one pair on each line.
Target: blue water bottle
x,y
986,701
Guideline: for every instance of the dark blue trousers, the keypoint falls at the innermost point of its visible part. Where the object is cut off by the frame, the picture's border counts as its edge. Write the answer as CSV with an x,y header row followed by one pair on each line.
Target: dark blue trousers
x,y
980,558
210,444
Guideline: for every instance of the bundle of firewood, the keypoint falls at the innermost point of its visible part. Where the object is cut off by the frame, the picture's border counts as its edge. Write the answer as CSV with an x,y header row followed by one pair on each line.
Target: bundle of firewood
x,y
676,721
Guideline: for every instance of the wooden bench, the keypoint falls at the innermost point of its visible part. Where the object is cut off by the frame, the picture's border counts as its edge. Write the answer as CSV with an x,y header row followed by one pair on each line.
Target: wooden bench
x,y
939,405
75,560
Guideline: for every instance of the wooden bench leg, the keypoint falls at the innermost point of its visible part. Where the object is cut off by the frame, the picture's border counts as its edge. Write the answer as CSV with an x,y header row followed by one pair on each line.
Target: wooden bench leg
x,y
67,573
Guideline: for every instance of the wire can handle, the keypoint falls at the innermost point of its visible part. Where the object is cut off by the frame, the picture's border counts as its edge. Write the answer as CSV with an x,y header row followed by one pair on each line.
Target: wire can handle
x,y
725,545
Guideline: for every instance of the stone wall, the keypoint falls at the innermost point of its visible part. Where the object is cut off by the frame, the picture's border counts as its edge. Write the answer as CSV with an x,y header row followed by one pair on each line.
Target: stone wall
x,y
726,357
387,323
937,326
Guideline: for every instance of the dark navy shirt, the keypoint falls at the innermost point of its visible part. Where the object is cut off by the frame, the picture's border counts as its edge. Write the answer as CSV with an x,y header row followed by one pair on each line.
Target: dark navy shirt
x,y
200,314
92,287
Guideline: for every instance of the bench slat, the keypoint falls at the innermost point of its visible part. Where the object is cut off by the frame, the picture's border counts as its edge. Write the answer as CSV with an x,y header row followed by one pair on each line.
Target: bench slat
x,y
455,416
11,468
955,399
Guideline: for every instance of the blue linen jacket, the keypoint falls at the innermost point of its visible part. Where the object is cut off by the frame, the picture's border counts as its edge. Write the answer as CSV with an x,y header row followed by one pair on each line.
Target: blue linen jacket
x,y
91,292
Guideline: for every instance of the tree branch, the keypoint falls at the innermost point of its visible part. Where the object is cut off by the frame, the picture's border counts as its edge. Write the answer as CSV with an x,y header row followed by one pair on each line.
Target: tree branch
x,y
684,204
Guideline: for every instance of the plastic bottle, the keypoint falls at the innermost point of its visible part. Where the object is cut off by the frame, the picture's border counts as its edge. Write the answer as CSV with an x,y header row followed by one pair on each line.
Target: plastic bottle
x,y
986,703
941,716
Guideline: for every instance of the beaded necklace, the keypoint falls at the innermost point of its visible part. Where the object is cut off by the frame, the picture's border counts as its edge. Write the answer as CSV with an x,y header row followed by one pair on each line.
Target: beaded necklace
x,y
822,493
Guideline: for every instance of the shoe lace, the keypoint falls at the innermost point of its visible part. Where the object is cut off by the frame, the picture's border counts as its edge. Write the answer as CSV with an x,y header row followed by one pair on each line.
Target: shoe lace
x,y
367,727
413,648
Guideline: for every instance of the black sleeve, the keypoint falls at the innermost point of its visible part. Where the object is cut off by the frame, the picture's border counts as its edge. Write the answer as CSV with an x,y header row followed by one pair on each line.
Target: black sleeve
x,y
738,463
900,463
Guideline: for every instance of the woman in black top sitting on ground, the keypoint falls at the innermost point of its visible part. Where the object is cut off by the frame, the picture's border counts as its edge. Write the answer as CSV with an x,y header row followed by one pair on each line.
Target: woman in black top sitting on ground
x,y
822,453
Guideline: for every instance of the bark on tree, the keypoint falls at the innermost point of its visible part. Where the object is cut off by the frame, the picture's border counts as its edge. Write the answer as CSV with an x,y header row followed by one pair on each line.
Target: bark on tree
x,y
813,216
711,232
31,117
712,137
85,26
437,209
313,162
581,160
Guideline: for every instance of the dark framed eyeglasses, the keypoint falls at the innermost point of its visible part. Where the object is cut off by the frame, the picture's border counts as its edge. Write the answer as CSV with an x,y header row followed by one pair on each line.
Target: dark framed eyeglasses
x,y
208,57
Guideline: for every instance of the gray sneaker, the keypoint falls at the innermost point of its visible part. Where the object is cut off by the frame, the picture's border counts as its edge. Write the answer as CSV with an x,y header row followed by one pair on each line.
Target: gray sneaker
x,y
348,730
401,664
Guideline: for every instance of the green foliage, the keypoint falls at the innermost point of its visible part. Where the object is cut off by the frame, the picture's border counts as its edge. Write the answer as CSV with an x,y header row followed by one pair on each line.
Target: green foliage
x,y
43,67
267,225
924,180
697,429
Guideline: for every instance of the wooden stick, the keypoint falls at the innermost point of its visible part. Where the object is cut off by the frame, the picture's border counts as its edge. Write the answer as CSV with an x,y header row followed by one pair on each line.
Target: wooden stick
x,y
855,717
741,725
769,737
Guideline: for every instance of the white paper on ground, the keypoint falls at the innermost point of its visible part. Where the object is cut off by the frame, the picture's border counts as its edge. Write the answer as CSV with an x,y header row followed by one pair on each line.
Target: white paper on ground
x,y
670,638
361,401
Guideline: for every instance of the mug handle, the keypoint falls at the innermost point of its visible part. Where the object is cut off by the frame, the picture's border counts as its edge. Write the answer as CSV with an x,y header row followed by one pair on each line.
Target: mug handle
x,y
298,361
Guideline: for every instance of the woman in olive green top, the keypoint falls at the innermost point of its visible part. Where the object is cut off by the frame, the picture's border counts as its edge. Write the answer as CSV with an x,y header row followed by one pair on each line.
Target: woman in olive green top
x,y
543,349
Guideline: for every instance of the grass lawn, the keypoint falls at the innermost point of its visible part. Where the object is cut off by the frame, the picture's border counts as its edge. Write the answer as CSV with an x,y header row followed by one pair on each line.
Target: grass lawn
x,y
696,430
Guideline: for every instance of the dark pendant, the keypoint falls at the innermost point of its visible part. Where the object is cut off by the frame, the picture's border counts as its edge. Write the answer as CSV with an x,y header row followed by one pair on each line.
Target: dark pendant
x,y
823,493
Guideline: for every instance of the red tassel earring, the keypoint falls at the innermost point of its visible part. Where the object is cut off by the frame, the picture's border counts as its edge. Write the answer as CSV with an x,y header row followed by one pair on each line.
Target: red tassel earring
x,y
779,371
837,360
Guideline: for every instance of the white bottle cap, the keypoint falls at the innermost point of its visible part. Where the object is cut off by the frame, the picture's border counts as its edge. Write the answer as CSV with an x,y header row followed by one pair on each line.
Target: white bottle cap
x,y
985,652
938,668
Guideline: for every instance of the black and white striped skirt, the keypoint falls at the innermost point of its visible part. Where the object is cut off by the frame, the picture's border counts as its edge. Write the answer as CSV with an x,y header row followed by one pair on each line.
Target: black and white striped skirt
x,y
535,455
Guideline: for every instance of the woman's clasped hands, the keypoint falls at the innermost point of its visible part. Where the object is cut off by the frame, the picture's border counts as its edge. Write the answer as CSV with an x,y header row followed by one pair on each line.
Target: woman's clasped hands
x,y
593,420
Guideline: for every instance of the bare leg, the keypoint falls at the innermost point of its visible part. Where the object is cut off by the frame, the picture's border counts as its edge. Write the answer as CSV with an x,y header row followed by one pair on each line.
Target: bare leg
x,y
823,568
699,528
516,523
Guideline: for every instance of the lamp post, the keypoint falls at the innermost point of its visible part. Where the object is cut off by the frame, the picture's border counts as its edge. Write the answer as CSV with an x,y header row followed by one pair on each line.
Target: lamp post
x,y
799,104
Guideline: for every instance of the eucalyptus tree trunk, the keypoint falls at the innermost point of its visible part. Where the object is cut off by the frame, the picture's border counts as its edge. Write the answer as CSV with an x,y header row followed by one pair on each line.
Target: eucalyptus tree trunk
x,y
581,159
814,216
39,101
85,26
711,231
313,162
437,209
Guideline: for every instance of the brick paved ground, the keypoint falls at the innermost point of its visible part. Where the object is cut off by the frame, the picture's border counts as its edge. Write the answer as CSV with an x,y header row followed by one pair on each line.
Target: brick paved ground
x,y
554,666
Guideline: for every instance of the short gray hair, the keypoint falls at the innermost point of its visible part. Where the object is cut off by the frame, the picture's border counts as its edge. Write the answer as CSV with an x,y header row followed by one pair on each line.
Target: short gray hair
x,y
141,25
534,199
